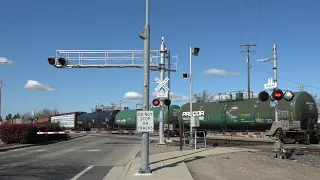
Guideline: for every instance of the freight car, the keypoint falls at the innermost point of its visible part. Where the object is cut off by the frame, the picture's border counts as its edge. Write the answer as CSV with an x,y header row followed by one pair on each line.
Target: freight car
x,y
103,120
238,114
126,119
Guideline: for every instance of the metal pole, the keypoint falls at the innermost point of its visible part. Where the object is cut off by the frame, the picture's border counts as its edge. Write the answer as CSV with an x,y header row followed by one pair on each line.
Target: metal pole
x,y
168,113
248,64
191,112
0,99
275,79
162,69
145,98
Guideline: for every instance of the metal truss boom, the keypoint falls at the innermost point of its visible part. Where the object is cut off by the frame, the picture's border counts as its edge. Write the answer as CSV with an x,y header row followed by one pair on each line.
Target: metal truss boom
x,y
112,59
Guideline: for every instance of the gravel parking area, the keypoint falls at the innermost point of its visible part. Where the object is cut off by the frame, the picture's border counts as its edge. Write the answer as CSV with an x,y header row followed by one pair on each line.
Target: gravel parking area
x,y
250,166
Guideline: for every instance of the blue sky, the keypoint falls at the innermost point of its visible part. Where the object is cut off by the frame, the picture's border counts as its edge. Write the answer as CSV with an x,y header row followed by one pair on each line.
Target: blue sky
x,y
31,31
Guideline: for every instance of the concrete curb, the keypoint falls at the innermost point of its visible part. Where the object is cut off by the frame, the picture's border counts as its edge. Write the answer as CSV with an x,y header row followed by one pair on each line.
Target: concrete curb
x,y
126,168
4,149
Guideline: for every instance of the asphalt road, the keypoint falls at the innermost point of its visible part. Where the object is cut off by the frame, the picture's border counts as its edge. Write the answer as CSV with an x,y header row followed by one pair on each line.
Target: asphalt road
x,y
89,157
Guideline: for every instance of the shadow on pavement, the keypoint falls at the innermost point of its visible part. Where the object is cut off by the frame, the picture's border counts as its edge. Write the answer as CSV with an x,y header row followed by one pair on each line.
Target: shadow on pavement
x,y
178,162
179,156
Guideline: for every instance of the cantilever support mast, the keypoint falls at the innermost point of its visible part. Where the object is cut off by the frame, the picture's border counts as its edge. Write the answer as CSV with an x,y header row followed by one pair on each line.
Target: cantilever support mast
x,y
112,59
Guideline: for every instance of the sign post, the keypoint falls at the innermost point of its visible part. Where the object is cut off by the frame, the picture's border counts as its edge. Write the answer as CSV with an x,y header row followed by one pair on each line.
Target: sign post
x,y
162,93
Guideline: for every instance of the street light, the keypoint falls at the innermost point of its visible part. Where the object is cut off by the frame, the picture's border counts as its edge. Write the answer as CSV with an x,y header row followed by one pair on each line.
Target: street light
x,y
194,51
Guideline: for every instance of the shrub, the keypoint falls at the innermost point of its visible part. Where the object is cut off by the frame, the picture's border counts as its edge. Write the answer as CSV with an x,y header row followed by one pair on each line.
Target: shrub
x,y
27,133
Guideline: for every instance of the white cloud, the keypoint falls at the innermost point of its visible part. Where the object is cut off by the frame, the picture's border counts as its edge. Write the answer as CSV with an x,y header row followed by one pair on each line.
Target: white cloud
x,y
137,96
219,72
35,85
132,96
4,60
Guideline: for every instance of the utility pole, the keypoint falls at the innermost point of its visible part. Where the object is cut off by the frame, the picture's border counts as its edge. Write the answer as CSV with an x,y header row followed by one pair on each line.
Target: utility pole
x,y
248,63
162,69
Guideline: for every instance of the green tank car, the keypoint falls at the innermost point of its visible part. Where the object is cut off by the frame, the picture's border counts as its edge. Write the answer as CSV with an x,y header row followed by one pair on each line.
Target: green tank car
x,y
126,119
238,114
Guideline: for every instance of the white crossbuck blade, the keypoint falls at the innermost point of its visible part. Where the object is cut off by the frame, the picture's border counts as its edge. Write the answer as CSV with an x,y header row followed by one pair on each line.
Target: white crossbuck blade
x,y
162,84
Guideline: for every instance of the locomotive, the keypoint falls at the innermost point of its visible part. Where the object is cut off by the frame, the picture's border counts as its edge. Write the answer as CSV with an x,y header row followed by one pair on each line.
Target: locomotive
x,y
231,114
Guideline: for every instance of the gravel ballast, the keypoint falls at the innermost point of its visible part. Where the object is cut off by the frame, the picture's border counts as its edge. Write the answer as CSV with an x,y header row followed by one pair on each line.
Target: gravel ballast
x,y
251,166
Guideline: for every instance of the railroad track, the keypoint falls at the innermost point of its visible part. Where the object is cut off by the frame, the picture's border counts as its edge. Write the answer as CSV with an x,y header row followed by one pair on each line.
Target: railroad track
x,y
228,142
307,150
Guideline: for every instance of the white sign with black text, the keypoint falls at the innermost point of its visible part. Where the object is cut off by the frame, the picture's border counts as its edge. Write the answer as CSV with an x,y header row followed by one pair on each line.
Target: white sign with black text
x,y
145,121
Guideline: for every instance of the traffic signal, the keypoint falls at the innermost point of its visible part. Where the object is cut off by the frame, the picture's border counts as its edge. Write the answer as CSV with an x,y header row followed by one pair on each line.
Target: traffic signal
x,y
156,102
185,75
195,51
263,96
167,102
59,61
51,61
288,96
277,94
62,61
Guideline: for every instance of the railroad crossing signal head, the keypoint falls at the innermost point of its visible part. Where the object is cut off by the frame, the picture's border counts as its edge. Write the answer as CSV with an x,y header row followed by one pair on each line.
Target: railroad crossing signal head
x,y
62,61
167,102
277,94
59,61
195,51
51,61
156,102
263,96
288,96
185,75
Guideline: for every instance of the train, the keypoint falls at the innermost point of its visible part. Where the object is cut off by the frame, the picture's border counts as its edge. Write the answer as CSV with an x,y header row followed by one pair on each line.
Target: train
x,y
238,114
226,115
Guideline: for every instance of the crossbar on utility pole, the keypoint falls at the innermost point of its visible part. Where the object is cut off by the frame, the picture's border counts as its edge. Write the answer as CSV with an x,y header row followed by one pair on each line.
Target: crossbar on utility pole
x,y
248,63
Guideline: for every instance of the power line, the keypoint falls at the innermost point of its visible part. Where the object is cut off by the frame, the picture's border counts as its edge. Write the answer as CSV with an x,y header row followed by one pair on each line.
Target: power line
x,y
257,20
289,80
243,21
265,15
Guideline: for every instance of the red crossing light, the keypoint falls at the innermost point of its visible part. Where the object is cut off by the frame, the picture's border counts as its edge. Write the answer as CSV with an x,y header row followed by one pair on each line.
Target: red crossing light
x,y
51,61
156,102
263,96
277,94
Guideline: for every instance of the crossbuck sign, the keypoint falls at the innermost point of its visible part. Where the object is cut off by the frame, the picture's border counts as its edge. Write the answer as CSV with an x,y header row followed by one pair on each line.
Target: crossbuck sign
x,y
162,90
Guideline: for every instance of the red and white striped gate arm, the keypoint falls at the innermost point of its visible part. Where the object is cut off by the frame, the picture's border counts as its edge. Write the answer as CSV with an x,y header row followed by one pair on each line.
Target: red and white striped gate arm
x,y
237,133
90,132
